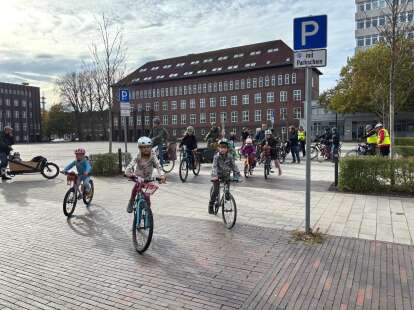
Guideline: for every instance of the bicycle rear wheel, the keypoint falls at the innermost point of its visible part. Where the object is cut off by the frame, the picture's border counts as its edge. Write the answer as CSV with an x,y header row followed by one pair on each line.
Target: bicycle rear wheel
x,y
69,202
87,197
246,171
168,165
196,165
266,169
183,172
229,210
142,227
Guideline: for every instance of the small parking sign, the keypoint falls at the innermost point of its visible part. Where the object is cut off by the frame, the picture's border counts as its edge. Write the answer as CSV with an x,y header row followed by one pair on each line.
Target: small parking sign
x,y
124,95
310,32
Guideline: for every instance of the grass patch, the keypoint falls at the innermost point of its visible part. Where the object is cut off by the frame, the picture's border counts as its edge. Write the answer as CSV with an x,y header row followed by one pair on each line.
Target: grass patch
x,y
314,237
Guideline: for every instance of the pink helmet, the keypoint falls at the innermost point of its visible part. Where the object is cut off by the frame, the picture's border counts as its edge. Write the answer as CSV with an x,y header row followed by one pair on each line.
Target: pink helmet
x,y
80,151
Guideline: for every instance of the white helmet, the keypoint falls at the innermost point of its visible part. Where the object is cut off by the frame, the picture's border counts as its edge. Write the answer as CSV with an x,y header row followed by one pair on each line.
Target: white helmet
x,y
378,125
268,132
249,141
144,141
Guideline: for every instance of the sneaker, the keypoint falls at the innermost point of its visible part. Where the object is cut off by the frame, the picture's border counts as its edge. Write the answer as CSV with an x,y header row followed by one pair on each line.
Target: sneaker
x,y
5,178
271,171
130,206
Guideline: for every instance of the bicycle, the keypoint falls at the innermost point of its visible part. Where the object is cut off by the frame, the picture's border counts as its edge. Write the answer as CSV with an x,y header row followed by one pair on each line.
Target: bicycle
x,y
185,164
321,149
248,166
226,201
75,193
360,150
143,223
168,164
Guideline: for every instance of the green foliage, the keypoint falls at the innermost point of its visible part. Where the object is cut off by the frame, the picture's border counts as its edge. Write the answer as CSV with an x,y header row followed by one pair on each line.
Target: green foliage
x,y
107,164
405,151
404,141
364,83
57,121
373,174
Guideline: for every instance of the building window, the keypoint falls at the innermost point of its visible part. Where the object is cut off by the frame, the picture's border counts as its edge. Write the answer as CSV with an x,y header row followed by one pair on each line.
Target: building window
x,y
174,132
215,87
115,123
223,117
183,104
270,97
202,118
273,83
242,84
174,119
267,81
223,101
234,116
192,119
231,85
245,116
220,86
287,79
269,114
16,102
258,98
293,78
173,105
261,81
192,103
226,86
202,103
245,99
248,83
233,100
156,106
199,87
283,96
183,119
147,120
360,41
297,95
165,106
139,120
205,88
210,87
148,106
212,117
213,102
280,79
165,119
236,84
258,116
283,113
254,83
16,114
297,113
185,90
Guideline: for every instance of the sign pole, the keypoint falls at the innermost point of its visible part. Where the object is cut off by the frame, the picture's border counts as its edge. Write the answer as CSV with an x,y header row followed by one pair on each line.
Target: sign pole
x,y
125,134
308,110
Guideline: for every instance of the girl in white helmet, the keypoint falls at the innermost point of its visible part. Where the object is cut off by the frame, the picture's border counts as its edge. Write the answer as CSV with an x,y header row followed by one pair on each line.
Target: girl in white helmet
x,y
142,166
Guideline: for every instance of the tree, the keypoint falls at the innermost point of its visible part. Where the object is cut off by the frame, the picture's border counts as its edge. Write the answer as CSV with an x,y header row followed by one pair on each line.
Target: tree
x,y
110,61
57,121
364,84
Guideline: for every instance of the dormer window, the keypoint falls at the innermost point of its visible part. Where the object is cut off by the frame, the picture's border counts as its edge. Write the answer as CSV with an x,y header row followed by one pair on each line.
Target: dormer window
x,y
249,65
154,68
180,64
272,50
255,53
238,55
160,76
208,60
216,69
147,78
166,66
143,70
173,75
223,58
232,67
135,80
202,71
195,62
268,62
188,73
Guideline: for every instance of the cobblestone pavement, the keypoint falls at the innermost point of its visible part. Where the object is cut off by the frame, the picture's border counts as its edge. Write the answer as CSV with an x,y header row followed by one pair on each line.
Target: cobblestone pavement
x,y
194,262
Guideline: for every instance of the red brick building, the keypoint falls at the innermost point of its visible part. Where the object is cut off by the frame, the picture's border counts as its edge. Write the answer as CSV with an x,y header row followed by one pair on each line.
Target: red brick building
x,y
235,87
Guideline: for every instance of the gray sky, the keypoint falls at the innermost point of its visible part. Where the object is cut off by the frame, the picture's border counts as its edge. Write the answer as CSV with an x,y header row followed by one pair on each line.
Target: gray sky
x,y
42,39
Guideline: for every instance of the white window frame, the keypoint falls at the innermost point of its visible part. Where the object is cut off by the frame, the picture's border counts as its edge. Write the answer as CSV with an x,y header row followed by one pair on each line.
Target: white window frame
x,y
174,119
245,99
233,100
245,116
258,115
270,97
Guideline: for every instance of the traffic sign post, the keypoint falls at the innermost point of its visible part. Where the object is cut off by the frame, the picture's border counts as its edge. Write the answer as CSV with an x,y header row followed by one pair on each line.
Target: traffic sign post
x,y
310,40
125,111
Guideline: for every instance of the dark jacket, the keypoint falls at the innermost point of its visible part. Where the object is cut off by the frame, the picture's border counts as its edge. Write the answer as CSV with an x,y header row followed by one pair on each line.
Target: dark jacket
x,y
335,139
6,142
190,142
213,134
260,136
293,138
245,135
159,135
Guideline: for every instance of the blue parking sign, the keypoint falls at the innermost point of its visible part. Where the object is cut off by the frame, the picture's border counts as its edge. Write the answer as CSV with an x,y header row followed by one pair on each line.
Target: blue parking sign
x,y
124,95
310,32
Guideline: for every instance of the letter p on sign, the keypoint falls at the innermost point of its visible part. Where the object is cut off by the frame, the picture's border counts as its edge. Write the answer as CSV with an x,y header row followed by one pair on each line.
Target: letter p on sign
x,y
310,32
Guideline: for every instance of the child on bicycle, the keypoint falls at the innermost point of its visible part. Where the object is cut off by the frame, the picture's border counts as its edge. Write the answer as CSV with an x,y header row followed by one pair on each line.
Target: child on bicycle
x,y
143,166
270,147
83,167
190,142
223,164
248,150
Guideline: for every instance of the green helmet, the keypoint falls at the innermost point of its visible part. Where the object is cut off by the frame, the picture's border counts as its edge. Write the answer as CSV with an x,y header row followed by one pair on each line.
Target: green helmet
x,y
224,142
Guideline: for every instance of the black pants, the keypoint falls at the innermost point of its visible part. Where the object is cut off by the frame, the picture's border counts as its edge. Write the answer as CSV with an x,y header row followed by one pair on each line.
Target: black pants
x,y
215,192
385,151
302,145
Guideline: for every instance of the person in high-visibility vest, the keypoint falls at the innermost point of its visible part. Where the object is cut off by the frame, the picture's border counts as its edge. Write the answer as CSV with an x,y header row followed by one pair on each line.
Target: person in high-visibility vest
x,y
372,138
302,140
384,139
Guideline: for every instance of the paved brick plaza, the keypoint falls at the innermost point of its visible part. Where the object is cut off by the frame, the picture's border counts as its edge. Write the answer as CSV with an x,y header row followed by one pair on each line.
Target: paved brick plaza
x,y
194,262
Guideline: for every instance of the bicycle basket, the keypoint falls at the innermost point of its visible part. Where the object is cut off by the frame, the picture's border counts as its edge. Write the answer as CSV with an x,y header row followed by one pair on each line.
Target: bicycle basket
x,y
150,188
71,177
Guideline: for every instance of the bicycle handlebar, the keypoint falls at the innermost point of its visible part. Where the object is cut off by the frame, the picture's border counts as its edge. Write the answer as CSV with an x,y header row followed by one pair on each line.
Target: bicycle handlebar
x,y
135,179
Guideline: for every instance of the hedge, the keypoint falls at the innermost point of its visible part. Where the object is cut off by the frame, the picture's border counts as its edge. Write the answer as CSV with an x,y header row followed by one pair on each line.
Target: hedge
x,y
405,151
107,164
372,174
408,141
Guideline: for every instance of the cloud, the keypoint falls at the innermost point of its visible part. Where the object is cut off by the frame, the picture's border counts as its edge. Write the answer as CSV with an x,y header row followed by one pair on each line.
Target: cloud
x,y
53,37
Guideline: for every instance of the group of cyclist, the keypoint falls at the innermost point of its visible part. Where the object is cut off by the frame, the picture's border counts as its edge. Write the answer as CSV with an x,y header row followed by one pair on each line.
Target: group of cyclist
x,y
377,138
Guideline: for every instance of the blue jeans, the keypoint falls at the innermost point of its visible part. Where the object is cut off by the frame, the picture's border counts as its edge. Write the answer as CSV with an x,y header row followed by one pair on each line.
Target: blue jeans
x,y
190,157
3,162
295,153
161,153
86,185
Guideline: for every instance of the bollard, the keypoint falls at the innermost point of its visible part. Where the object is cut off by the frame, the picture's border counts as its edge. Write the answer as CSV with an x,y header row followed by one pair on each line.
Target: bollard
x,y
336,159
120,160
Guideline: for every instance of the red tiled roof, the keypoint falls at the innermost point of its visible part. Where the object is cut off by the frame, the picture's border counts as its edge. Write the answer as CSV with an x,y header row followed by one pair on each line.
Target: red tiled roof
x,y
235,59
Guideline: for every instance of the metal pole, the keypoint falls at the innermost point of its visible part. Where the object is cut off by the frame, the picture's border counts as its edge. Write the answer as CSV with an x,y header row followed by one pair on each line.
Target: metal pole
x,y
308,101
125,134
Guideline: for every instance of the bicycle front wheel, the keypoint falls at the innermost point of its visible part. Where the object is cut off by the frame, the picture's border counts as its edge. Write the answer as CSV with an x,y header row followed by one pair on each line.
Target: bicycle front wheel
x,y
314,152
87,197
229,210
69,202
183,170
142,227
168,165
